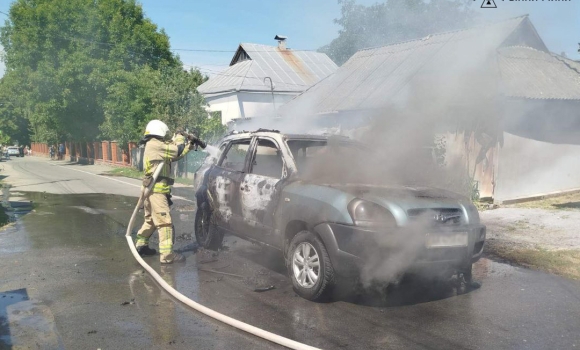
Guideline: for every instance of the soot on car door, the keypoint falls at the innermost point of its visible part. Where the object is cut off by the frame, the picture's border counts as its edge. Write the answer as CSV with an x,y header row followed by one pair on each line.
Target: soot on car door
x,y
224,184
259,189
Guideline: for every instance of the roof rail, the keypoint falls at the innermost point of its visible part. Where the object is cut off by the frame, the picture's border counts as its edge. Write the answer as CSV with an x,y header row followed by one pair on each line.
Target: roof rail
x,y
267,130
335,135
235,132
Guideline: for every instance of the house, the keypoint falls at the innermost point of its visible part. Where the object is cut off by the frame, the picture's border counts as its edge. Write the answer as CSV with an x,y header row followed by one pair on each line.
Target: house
x,y
260,78
507,107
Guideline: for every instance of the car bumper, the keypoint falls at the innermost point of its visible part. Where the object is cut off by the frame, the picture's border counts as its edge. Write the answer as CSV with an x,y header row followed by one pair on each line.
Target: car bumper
x,y
351,248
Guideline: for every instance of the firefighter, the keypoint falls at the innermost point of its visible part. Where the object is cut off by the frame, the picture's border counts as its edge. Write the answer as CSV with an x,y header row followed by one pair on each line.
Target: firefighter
x,y
160,149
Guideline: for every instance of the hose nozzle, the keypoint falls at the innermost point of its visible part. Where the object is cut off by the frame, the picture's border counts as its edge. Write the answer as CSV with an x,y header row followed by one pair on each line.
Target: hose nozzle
x,y
196,142
201,144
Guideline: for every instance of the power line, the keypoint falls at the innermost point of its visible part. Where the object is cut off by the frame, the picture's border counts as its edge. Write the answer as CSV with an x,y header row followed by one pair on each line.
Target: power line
x,y
186,50
211,50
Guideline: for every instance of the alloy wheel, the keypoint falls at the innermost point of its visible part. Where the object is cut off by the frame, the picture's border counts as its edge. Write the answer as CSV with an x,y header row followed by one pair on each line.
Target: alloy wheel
x,y
306,265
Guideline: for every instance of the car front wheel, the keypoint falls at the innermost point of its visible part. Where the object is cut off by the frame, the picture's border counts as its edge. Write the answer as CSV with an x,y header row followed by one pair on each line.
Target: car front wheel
x,y
206,233
310,267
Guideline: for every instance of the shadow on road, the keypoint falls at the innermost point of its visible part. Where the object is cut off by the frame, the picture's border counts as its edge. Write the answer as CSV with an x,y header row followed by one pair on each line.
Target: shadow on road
x,y
569,205
410,291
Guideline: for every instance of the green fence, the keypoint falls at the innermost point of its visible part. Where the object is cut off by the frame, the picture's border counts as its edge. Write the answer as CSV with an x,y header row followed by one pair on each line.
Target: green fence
x,y
190,163
186,166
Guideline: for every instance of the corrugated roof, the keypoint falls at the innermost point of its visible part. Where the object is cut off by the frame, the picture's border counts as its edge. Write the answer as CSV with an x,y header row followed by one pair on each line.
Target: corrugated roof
x,y
529,73
377,76
571,63
290,71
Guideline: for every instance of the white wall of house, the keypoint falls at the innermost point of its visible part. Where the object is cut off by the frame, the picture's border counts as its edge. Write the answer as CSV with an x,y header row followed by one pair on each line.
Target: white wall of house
x,y
246,104
529,168
227,104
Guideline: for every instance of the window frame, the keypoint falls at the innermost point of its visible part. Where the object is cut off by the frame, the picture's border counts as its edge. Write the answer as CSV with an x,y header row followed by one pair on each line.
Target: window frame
x,y
227,149
255,151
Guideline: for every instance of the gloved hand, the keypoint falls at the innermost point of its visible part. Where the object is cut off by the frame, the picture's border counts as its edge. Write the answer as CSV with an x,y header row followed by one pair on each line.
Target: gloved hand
x,y
195,141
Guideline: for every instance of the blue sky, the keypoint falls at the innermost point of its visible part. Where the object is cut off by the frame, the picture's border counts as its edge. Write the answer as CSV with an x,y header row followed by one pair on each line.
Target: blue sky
x,y
223,24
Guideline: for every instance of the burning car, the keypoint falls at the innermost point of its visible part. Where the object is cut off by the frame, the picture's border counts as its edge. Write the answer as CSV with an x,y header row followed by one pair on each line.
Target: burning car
x,y
272,188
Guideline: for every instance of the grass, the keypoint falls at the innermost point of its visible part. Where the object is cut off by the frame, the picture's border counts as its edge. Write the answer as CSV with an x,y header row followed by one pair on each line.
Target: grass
x,y
136,174
560,262
127,172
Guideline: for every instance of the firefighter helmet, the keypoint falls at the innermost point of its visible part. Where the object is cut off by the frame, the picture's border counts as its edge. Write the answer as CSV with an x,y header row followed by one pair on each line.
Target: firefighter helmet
x,y
156,128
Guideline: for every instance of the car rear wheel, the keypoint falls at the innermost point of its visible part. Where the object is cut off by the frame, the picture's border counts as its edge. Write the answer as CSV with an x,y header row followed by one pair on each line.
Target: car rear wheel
x,y
309,267
206,233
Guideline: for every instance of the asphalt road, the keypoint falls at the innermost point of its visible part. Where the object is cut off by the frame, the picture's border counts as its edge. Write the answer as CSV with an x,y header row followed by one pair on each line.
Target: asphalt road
x,y
68,280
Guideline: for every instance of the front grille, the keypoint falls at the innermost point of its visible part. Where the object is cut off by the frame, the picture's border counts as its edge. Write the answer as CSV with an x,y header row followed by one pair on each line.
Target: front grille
x,y
444,254
437,216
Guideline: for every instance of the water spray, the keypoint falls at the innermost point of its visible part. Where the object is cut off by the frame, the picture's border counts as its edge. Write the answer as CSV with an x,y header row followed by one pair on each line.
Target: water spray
x,y
289,343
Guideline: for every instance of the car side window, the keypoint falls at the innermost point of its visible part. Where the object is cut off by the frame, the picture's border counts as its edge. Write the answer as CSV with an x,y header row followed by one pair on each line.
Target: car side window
x,y
235,156
267,160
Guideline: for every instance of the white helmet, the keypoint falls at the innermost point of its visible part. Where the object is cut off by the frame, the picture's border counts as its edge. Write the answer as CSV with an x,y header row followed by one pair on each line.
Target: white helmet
x,y
156,128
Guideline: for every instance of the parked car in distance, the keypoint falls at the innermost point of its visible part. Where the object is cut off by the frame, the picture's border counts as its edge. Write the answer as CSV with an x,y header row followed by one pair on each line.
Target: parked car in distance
x,y
258,190
13,151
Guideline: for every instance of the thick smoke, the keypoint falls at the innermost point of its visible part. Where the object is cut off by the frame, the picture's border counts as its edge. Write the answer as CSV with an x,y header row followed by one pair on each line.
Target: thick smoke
x,y
433,133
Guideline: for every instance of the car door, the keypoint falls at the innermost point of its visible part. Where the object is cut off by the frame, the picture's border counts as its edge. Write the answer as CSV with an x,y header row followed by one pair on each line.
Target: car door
x,y
224,182
260,188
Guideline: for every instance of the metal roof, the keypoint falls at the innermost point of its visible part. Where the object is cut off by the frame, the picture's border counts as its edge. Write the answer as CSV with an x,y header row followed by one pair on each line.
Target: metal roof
x,y
529,73
571,63
375,77
290,71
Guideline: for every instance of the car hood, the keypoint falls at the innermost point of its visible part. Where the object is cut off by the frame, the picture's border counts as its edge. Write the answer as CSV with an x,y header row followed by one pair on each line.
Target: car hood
x,y
406,197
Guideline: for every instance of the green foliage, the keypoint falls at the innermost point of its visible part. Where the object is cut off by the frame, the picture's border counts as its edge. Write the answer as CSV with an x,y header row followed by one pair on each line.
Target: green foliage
x,y
144,94
128,105
393,21
211,129
66,60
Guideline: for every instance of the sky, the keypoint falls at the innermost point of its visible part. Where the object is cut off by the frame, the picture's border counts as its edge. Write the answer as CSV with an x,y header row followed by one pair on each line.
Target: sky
x,y
308,24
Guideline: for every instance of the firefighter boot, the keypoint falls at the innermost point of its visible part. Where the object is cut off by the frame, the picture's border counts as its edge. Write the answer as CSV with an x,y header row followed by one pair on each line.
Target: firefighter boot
x,y
144,250
171,258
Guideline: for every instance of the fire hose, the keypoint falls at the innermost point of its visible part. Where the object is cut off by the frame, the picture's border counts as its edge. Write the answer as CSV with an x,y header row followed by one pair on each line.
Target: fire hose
x,y
289,343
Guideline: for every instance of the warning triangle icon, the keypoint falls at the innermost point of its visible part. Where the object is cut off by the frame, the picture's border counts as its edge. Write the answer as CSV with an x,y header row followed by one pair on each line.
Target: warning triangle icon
x,y
488,4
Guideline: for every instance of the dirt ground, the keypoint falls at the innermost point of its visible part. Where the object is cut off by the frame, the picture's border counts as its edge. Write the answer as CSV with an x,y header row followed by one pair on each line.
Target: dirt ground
x,y
540,234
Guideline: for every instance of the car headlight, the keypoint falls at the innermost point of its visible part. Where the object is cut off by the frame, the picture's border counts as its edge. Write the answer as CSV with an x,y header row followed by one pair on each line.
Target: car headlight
x,y
369,214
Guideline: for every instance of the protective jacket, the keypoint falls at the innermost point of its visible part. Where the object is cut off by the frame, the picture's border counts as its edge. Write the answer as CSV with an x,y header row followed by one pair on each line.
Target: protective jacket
x,y
157,151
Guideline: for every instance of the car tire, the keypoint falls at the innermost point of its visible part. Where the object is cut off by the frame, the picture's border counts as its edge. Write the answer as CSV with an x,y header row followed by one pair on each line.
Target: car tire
x,y
206,233
306,243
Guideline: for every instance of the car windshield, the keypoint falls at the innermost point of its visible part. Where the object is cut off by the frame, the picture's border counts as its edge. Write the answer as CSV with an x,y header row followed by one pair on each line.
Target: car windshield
x,y
324,159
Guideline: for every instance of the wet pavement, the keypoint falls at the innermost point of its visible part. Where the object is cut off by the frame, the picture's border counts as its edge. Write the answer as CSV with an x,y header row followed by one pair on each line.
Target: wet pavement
x,y
69,281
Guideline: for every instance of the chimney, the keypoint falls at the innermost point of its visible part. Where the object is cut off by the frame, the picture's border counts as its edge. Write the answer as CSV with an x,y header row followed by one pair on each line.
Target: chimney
x,y
281,41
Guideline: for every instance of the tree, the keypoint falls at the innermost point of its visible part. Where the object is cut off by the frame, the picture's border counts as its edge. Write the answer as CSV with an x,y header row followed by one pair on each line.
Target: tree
x,y
393,21
176,100
13,129
64,56
169,94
